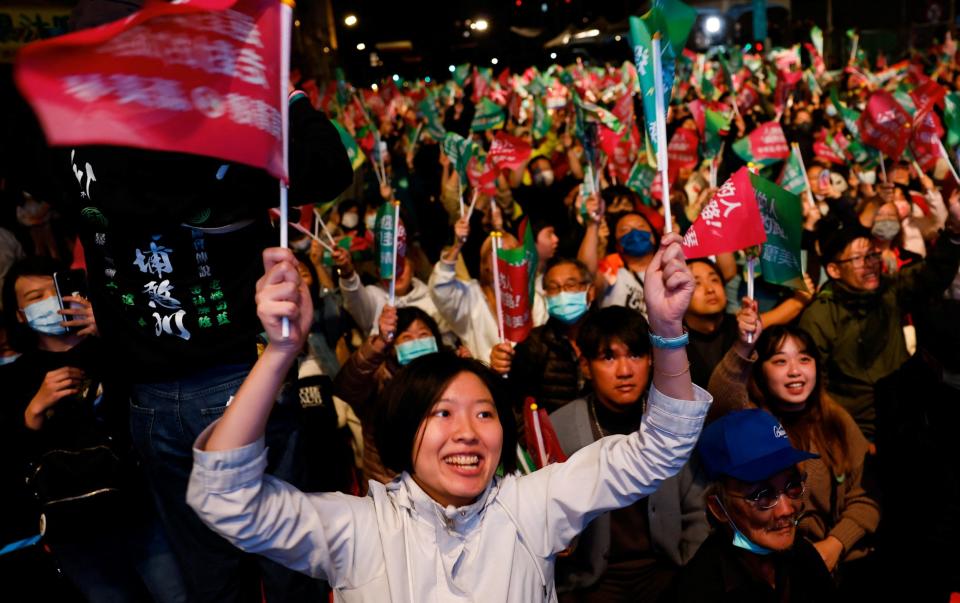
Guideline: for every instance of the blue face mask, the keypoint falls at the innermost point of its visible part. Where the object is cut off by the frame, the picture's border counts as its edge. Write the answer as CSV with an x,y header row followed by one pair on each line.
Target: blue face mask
x,y
739,540
567,307
409,350
8,359
44,316
637,243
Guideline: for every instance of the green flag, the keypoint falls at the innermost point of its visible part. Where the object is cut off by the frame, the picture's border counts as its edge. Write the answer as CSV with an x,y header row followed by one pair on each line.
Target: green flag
x,y
541,119
489,116
851,117
816,36
433,123
641,179
384,238
716,125
673,20
793,179
951,117
460,73
353,150
596,113
782,217
460,150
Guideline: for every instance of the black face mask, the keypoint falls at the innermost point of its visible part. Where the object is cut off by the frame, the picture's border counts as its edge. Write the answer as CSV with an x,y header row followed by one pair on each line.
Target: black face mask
x,y
806,127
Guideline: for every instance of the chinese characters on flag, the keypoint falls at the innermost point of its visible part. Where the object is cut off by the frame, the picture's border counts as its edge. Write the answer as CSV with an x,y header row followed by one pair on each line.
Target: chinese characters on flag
x,y
730,221
196,76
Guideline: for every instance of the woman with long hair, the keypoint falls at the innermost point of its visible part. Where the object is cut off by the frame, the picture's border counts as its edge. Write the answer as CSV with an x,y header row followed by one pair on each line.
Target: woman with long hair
x,y
778,369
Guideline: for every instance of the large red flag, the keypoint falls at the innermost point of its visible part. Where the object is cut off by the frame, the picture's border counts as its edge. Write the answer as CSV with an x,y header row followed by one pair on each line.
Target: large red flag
x,y
196,76
925,96
925,142
682,150
730,221
885,125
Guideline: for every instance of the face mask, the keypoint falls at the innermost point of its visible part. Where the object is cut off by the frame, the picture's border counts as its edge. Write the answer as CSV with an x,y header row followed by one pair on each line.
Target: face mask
x,y
544,178
838,182
739,540
301,245
567,307
409,350
350,220
4,360
869,177
637,243
885,230
44,316
831,110
804,127
370,221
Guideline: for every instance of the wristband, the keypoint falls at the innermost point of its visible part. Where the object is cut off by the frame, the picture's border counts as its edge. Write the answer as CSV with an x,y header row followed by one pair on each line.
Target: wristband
x,y
669,343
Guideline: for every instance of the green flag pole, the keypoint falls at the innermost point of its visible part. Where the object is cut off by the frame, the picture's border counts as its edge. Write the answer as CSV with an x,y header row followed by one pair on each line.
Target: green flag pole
x,y
661,133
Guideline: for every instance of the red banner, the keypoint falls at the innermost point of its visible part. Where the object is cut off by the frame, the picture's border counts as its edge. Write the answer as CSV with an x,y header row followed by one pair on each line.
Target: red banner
x,y
197,76
515,299
925,97
508,151
682,150
823,150
885,125
924,144
730,221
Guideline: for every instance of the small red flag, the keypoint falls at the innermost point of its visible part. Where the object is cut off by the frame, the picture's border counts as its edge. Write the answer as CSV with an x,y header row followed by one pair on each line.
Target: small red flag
x,y
885,125
730,221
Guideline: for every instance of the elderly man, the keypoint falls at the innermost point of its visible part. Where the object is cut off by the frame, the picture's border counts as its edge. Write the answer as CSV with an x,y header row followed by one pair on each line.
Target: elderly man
x,y
856,318
755,497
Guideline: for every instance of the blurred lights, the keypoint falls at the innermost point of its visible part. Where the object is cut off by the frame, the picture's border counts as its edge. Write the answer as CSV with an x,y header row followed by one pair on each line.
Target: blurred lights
x,y
494,60
452,68
350,20
396,77
553,55
712,24
589,33
480,25
361,46
374,87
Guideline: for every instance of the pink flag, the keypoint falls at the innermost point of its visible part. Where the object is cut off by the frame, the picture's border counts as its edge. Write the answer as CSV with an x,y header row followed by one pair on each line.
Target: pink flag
x,y
730,221
197,76
682,150
508,151
885,125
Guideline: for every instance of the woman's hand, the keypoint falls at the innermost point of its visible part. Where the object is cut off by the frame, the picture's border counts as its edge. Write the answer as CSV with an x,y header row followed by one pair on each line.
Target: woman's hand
x,y
830,549
281,293
81,318
387,324
668,286
749,326
341,259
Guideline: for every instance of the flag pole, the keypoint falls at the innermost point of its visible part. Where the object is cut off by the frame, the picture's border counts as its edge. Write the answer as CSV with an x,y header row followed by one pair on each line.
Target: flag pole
x,y
806,181
661,126
496,235
946,156
538,434
396,236
883,167
751,262
286,20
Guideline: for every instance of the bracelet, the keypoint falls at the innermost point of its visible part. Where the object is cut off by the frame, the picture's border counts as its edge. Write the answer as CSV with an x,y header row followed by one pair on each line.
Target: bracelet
x,y
669,343
686,369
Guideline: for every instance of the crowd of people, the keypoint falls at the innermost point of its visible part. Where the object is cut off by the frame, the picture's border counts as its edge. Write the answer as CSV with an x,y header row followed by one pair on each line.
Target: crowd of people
x,y
192,413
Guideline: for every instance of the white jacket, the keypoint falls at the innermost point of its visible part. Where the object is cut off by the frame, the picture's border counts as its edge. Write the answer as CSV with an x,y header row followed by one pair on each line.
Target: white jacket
x,y
365,303
464,307
398,545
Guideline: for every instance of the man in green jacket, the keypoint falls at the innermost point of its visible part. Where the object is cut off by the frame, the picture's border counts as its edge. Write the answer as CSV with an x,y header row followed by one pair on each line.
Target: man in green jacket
x,y
856,318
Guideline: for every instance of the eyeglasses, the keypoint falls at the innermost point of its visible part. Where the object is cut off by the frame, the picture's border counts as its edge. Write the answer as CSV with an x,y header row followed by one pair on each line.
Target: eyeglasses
x,y
766,496
567,287
860,260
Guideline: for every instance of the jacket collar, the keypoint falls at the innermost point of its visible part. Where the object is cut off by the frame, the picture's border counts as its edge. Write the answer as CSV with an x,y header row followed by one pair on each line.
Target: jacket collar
x,y
408,494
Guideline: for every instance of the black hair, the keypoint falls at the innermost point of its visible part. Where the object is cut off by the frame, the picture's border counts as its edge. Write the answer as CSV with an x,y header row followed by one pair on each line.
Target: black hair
x,y
559,261
614,323
708,262
408,315
406,402
315,286
20,336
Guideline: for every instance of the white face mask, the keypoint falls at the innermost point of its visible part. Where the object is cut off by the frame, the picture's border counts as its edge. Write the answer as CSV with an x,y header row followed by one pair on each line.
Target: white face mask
x,y
4,360
370,220
869,177
349,220
831,110
44,316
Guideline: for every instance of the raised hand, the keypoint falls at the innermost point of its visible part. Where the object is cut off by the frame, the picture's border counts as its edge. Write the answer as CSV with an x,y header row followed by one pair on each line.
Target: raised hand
x,y
668,286
953,219
281,293
501,358
341,259
749,325
387,324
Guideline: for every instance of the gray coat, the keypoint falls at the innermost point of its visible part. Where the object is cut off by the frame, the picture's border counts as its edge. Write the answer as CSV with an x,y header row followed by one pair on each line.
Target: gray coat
x,y
676,511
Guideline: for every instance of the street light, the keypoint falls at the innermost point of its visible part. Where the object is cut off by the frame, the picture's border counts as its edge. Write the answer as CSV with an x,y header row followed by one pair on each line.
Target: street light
x,y
350,20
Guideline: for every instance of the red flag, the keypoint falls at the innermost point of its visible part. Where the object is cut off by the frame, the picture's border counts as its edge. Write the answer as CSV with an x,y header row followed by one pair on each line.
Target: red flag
x,y
730,221
508,151
885,125
925,142
619,150
547,444
698,112
925,96
197,76
824,150
517,271
682,150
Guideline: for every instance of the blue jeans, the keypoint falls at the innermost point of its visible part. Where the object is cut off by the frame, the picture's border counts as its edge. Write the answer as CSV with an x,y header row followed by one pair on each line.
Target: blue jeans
x,y
165,420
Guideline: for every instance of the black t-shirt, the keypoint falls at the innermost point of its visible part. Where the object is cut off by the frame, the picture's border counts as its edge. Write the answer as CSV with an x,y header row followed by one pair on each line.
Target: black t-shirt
x,y
173,245
706,350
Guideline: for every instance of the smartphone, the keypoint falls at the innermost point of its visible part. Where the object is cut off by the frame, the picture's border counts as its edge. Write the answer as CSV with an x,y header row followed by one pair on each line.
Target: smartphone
x,y
70,283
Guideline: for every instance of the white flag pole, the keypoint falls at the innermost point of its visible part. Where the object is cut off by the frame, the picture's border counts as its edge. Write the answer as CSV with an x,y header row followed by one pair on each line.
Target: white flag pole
x,y
495,235
883,167
946,156
396,236
286,20
751,262
661,132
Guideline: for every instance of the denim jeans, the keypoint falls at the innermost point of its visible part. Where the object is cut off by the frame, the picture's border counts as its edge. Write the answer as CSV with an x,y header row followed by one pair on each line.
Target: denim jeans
x,y
165,420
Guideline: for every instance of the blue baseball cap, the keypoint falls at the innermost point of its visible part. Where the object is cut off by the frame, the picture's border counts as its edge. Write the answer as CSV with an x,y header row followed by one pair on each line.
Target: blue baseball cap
x,y
749,445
